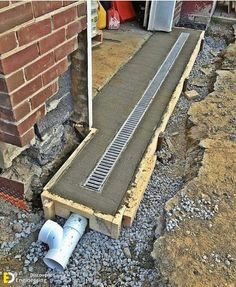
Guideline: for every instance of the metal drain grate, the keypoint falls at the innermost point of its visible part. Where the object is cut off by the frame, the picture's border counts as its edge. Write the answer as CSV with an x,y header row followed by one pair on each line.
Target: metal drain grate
x,y
102,170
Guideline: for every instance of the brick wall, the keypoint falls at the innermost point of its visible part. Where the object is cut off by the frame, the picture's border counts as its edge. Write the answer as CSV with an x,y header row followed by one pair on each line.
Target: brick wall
x,y
198,12
36,38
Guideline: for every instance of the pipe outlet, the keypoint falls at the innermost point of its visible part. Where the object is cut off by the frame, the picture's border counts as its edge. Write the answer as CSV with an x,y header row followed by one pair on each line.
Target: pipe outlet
x,y
61,241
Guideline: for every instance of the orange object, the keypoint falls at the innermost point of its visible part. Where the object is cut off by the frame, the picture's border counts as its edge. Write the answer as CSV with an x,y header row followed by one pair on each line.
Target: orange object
x,y
113,19
20,203
125,10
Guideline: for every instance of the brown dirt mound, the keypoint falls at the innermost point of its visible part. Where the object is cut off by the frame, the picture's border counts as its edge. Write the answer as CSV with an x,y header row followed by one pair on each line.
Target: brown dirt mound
x,y
202,252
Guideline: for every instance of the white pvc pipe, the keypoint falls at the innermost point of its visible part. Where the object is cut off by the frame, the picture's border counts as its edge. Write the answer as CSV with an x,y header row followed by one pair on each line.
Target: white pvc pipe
x,y
61,241
89,64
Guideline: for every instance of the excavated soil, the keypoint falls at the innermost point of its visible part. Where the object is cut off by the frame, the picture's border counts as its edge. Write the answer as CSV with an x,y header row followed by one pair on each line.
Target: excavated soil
x,y
198,246
118,47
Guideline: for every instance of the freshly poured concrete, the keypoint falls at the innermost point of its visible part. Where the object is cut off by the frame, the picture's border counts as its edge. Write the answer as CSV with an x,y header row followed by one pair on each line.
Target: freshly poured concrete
x,y
111,108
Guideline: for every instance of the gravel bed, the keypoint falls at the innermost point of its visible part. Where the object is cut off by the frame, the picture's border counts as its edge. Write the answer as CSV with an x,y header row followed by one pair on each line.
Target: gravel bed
x,y
201,208
206,57
101,261
22,228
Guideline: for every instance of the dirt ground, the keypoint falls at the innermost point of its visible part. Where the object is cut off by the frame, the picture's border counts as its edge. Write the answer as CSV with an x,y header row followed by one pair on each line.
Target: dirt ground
x,y
198,247
117,48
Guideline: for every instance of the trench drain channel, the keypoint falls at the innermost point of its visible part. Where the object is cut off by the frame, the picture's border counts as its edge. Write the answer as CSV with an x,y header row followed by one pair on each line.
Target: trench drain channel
x,y
104,167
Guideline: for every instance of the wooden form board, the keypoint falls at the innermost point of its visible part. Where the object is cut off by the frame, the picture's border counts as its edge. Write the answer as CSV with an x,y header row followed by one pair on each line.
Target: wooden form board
x,y
97,39
106,223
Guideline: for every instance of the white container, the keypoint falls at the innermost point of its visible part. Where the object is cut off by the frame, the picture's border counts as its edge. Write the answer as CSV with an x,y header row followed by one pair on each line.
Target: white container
x,y
61,241
94,17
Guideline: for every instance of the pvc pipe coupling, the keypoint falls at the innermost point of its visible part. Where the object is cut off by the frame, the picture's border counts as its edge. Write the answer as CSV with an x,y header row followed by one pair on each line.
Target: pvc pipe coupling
x,y
62,241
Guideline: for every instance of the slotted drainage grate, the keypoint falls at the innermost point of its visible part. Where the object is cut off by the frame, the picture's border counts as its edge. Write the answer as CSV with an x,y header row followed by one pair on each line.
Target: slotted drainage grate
x,y
102,170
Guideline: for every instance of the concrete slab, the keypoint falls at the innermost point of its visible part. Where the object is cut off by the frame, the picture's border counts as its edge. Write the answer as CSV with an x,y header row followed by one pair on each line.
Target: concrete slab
x,y
117,48
111,108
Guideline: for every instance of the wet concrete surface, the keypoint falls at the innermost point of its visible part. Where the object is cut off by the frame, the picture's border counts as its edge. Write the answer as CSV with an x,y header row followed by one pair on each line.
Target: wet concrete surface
x,y
125,88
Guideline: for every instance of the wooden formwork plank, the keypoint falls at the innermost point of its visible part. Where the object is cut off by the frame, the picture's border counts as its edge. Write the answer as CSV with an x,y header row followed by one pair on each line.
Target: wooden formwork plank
x,y
108,224
138,188
66,204
117,222
97,39
101,222
48,208
104,223
147,164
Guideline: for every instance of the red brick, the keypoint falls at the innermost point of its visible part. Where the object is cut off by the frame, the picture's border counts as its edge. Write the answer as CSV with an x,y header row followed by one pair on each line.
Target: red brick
x,y
66,49
67,2
19,59
22,110
4,4
24,126
34,31
31,120
15,80
42,96
43,7
17,114
18,140
7,42
15,16
83,22
55,72
39,66
73,29
64,17
82,10
26,91
52,41
9,84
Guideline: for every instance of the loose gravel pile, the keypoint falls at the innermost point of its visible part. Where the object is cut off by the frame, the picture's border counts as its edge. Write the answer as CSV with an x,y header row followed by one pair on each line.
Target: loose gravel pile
x,y
206,58
202,208
22,227
101,261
